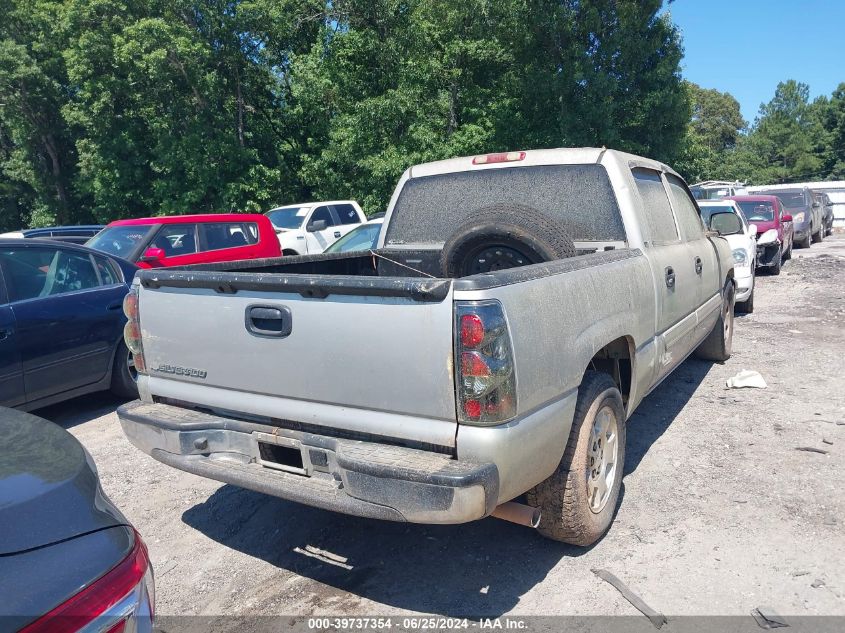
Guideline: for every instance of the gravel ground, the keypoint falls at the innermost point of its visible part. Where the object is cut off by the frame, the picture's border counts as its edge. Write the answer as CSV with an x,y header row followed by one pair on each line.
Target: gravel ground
x,y
720,512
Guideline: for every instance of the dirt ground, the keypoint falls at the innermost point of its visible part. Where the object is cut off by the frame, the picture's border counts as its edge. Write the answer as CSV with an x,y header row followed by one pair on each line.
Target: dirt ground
x,y
720,512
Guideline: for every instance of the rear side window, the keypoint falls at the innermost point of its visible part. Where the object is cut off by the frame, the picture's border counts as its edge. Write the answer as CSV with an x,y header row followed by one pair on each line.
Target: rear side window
x,y
108,273
658,214
430,208
219,235
687,213
346,214
33,273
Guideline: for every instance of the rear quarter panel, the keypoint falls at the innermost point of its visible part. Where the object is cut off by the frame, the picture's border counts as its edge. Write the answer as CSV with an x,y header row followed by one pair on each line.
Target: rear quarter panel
x,y
558,323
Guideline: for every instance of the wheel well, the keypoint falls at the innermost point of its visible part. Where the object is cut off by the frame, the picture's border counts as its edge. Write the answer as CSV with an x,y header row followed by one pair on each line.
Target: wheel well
x,y
289,252
614,359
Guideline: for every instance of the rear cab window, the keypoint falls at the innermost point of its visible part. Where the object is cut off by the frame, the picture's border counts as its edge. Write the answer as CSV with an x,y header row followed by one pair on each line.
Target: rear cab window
x,y
430,208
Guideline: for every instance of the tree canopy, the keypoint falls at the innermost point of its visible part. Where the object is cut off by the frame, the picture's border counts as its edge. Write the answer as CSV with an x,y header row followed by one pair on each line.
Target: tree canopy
x,y
125,108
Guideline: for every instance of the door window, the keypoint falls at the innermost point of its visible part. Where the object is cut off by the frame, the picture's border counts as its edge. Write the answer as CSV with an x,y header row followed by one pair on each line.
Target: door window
x,y
322,213
219,235
685,209
346,214
658,214
176,239
31,273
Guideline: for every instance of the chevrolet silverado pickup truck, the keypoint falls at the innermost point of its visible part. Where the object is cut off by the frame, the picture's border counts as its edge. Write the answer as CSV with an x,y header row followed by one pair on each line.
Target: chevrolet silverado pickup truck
x,y
481,360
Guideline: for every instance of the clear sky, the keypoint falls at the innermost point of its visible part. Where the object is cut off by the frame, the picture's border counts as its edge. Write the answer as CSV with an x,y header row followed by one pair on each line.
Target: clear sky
x,y
746,47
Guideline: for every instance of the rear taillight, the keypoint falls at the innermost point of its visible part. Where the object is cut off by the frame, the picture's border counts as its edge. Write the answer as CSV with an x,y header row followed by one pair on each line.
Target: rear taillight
x,y
132,330
120,600
484,372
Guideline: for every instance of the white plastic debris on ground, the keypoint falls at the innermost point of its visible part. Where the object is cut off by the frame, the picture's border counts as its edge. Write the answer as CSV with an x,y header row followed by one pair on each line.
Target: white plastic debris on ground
x,y
746,378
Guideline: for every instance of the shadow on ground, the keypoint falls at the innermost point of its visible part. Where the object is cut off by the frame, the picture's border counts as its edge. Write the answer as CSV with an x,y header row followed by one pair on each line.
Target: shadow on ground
x,y
659,409
81,410
477,569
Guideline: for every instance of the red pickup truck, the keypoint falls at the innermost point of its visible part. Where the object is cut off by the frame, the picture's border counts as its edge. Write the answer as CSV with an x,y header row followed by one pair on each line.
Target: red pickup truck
x,y
180,240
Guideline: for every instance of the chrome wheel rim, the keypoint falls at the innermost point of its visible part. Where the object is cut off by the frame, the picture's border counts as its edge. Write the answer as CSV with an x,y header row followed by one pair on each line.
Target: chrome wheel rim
x,y
602,458
728,320
130,367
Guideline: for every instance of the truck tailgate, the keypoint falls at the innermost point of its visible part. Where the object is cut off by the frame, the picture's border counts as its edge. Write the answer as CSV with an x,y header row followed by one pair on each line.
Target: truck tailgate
x,y
366,362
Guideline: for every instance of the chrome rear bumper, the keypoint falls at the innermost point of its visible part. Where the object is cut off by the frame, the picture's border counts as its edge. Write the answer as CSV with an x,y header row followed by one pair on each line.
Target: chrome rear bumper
x,y
367,479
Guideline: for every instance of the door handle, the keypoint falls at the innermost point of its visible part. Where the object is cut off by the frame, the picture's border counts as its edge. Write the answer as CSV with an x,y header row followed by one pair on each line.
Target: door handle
x,y
117,305
698,266
268,321
670,277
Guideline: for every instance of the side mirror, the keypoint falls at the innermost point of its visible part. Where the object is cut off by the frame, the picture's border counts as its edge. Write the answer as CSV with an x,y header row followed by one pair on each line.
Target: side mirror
x,y
153,255
752,228
786,218
816,204
316,225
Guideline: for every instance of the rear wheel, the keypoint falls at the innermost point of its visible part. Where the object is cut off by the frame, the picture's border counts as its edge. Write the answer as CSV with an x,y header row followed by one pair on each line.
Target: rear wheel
x,y
805,243
124,379
578,500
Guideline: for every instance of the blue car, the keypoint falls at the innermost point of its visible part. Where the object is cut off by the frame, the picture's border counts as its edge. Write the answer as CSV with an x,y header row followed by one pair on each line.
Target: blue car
x,y
61,323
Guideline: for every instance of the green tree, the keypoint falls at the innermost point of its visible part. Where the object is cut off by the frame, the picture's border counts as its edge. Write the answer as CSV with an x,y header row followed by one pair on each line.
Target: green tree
x,y
37,153
714,129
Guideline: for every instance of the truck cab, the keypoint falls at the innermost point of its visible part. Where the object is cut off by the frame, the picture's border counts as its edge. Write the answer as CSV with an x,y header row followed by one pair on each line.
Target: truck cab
x,y
311,227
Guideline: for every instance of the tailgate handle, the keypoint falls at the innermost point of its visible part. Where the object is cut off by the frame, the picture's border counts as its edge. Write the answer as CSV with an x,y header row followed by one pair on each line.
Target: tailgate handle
x,y
269,321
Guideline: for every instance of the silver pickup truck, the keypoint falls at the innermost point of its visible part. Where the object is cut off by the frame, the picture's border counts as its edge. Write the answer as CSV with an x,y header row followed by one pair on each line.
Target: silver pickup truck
x,y
515,311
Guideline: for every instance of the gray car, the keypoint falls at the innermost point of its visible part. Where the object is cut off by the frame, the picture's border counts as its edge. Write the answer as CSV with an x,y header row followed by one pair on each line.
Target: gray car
x,y
69,560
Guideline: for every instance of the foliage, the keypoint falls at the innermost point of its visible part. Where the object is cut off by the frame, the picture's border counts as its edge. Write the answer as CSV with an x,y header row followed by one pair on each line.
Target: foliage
x,y
120,108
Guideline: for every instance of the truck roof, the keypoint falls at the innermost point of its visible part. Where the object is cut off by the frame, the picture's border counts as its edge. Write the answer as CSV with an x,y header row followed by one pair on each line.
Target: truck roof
x,y
185,219
311,204
558,156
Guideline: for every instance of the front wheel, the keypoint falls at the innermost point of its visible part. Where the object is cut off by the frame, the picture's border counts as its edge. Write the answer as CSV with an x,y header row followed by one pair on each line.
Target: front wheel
x,y
578,500
718,344
747,306
775,269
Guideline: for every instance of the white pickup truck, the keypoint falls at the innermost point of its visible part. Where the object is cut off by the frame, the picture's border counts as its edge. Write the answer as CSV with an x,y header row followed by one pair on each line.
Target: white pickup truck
x,y
516,310
311,227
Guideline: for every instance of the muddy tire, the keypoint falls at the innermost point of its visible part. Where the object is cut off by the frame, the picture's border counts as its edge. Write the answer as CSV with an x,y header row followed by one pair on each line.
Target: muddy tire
x,y
818,236
718,344
504,236
578,501
123,377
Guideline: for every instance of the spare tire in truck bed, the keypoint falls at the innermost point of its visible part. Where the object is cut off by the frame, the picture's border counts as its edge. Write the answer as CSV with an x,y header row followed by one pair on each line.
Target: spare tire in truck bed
x,y
504,236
